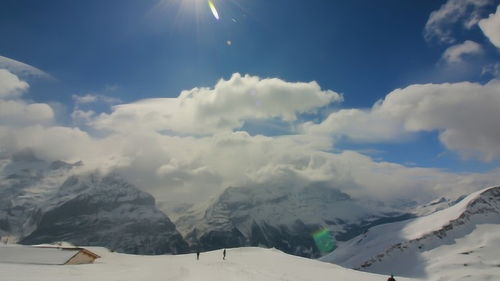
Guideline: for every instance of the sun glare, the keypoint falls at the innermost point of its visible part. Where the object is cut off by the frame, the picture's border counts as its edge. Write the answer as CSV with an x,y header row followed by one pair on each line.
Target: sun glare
x,y
213,9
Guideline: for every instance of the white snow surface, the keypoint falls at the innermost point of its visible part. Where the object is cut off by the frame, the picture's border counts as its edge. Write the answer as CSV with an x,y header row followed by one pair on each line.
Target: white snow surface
x,y
241,264
458,243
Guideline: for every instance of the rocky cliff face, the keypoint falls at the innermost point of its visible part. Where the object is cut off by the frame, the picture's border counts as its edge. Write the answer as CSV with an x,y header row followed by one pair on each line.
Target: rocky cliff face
x,y
280,217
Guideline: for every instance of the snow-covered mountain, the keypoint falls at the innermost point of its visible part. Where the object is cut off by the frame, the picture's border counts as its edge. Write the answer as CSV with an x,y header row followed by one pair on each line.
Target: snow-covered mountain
x,y
278,216
26,184
44,202
462,241
438,204
97,210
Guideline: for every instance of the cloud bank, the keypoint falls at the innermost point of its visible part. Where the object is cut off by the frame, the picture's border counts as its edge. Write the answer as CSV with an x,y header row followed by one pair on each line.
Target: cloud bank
x,y
193,146
464,114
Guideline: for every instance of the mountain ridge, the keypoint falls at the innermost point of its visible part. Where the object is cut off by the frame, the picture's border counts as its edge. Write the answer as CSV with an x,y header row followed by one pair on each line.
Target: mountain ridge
x,y
277,216
419,239
44,202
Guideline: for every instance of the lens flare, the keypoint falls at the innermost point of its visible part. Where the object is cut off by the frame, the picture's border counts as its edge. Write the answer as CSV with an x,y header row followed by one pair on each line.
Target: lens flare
x,y
324,240
213,9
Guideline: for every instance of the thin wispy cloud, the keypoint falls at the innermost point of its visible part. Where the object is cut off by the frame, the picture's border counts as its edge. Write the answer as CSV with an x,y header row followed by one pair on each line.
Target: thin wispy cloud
x,y
22,69
458,53
465,13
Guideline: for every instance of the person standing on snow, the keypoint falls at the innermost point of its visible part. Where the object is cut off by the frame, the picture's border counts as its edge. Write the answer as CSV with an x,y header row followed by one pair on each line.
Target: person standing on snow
x,y
197,254
224,254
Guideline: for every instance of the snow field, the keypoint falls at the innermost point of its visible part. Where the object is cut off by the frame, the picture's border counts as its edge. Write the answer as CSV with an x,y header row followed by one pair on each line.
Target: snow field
x,y
241,264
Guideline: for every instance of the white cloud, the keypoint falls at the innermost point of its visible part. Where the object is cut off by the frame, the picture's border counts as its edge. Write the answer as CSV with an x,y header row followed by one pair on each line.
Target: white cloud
x,y
225,107
49,142
456,53
10,85
16,112
22,69
193,167
358,125
491,69
82,116
19,113
491,27
84,99
465,115
94,98
466,12
188,168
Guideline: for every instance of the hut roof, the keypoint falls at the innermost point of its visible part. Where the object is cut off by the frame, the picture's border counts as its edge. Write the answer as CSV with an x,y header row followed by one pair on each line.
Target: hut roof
x,y
40,255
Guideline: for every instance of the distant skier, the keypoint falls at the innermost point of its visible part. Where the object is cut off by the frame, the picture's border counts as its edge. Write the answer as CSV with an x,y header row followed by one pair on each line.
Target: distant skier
x,y
391,278
197,254
224,254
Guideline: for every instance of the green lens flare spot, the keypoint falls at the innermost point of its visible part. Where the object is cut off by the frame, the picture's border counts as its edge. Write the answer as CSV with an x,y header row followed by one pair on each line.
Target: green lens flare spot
x,y
324,240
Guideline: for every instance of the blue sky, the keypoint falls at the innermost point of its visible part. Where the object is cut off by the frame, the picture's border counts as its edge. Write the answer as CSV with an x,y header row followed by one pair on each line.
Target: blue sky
x,y
130,50
363,49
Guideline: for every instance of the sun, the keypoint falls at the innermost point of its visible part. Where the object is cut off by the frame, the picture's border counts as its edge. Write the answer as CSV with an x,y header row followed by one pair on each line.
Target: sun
x,y
200,16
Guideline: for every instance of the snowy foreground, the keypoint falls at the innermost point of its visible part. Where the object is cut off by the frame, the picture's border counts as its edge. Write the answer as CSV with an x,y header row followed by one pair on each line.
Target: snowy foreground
x,y
241,264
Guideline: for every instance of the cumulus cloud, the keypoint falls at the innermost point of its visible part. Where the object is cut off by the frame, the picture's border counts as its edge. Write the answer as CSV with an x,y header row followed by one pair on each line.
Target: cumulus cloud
x,y
21,68
440,24
491,27
19,113
49,142
10,85
465,115
225,107
457,53
16,112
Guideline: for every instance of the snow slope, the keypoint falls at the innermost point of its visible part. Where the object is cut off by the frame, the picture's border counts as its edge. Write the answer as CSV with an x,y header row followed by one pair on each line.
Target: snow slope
x,y
242,264
460,241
